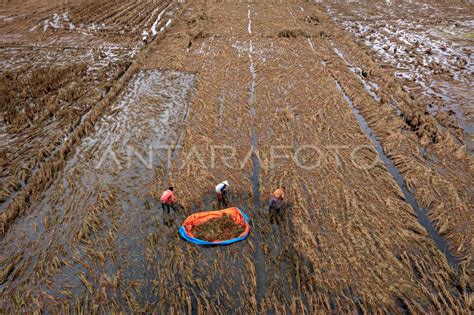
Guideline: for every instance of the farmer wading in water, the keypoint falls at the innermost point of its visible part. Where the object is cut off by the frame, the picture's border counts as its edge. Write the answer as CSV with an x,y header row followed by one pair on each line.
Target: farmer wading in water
x,y
221,191
275,204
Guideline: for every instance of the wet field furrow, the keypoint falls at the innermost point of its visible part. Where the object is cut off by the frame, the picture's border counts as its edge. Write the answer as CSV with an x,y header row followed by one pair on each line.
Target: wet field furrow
x,y
107,173
291,112
259,258
432,57
41,160
421,213
426,155
219,131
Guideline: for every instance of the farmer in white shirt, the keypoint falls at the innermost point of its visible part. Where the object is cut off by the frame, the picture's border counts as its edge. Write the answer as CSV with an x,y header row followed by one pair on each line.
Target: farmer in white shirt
x,y
221,190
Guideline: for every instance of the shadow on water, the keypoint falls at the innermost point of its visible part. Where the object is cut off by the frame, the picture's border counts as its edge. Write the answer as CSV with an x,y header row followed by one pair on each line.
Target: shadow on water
x,y
409,197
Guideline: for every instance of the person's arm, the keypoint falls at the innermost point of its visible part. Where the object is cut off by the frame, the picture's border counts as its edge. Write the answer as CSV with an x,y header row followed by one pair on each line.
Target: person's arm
x,y
172,197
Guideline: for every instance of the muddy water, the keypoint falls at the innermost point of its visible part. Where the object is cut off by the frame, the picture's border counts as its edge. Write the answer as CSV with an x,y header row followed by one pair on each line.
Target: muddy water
x,y
255,160
37,56
370,87
110,170
221,104
432,56
54,126
409,197
48,133
260,258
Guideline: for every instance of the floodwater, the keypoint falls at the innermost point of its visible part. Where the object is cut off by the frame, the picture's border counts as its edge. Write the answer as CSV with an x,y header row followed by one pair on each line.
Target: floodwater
x,y
110,168
409,197
432,58
260,259
98,239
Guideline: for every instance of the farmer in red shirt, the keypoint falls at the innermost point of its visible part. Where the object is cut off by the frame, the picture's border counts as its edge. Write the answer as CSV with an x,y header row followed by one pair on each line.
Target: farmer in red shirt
x,y
167,199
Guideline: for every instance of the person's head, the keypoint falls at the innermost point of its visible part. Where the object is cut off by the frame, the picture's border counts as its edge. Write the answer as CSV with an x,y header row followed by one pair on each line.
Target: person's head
x,y
170,188
226,182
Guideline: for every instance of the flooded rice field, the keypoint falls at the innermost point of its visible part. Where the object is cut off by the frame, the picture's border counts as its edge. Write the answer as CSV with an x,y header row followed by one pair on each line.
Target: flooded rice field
x,y
107,104
430,47
52,77
103,185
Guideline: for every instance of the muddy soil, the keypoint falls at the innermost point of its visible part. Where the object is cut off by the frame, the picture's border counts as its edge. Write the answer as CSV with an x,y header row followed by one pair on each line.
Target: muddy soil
x,y
433,144
429,45
58,61
376,215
